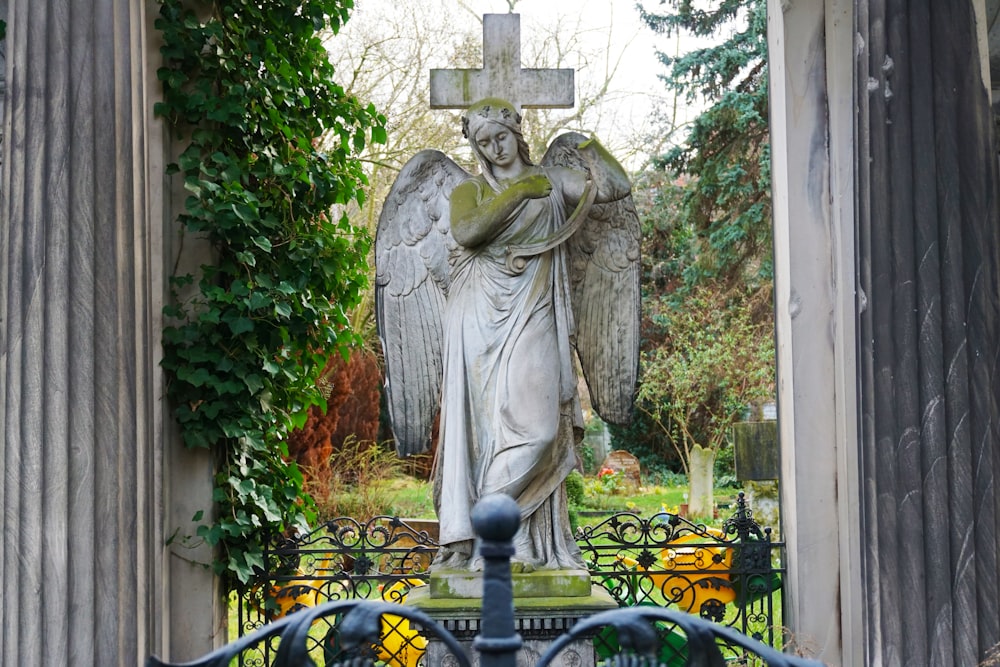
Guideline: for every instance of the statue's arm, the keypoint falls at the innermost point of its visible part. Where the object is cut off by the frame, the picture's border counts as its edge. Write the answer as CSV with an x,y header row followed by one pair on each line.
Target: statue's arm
x,y
477,217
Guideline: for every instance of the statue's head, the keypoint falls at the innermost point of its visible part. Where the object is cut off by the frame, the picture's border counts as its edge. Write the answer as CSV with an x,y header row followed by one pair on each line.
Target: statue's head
x,y
500,112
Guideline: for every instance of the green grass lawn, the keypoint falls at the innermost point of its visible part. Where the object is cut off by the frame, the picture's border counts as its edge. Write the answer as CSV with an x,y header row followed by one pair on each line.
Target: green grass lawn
x,y
648,500
408,497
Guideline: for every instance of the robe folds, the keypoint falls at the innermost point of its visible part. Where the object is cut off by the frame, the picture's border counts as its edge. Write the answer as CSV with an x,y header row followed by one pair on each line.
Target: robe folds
x,y
510,407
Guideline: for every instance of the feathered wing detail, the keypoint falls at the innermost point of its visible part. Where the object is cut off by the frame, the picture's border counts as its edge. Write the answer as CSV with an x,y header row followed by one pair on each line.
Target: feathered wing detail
x,y
604,279
412,244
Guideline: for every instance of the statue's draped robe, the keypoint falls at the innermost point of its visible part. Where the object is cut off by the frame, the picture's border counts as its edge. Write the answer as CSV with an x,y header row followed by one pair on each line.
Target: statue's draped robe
x,y
510,404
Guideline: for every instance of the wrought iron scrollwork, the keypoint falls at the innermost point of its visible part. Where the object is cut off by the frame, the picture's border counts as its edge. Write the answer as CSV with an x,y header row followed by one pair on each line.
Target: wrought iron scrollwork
x,y
341,560
729,576
648,636
350,631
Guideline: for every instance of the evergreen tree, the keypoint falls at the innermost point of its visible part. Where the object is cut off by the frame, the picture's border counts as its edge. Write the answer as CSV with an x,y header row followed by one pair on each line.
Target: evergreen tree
x,y
707,237
721,228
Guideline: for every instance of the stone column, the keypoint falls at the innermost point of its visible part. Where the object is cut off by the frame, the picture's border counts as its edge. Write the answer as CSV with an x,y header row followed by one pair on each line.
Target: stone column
x,y
929,250
887,262
811,79
81,464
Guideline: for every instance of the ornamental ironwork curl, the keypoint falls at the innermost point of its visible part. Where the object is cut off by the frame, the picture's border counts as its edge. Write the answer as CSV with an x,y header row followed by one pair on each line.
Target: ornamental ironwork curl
x,y
341,560
347,633
729,575
648,636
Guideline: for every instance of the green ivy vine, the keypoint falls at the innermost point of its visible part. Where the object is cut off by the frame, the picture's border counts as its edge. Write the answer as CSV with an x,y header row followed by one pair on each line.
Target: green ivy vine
x,y
272,153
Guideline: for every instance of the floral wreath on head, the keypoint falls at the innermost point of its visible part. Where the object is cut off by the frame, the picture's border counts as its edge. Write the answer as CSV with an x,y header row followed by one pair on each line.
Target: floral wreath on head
x,y
490,109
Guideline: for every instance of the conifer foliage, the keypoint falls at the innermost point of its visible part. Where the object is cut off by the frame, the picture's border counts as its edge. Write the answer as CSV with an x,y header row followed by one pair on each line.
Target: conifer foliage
x,y
709,349
723,228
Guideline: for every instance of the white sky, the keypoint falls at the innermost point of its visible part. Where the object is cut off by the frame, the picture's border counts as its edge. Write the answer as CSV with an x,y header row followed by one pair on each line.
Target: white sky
x,y
615,30
611,37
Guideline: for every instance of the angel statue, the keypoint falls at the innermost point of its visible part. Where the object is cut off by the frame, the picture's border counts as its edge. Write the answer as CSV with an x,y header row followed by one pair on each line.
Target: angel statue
x,y
484,287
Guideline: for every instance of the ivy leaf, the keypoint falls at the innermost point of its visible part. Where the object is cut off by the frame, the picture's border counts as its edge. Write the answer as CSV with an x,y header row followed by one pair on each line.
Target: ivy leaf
x,y
196,377
240,325
299,418
253,382
246,257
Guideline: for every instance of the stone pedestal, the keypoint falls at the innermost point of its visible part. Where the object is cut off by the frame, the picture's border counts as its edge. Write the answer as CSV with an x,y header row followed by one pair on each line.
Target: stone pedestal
x,y
547,603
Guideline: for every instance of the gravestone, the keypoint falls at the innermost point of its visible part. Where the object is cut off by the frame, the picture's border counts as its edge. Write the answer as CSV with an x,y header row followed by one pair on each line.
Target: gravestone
x,y
624,462
757,462
755,450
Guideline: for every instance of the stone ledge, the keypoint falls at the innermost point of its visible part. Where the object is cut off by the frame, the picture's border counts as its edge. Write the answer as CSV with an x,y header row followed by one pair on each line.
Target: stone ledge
x,y
533,617
463,584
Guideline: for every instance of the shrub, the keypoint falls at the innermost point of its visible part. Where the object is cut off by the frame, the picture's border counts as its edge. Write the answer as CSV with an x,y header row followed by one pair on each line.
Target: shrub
x,y
574,489
353,480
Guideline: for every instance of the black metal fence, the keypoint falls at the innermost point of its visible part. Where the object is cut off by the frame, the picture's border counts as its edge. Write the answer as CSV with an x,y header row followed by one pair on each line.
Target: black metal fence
x,y
731,575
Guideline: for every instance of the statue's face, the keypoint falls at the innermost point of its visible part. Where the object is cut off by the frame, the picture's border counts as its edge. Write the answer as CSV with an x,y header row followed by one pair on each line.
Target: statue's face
x,y
498,144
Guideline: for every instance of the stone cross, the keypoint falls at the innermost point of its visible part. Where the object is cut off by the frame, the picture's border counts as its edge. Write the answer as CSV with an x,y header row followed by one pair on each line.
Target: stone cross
x,y
501,75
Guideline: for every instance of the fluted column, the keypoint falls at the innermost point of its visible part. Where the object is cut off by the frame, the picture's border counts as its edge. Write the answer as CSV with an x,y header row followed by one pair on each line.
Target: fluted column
x,y
929,231
81,461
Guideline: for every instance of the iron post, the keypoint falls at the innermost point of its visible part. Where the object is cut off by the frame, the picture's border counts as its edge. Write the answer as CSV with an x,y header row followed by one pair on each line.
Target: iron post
x,y
495,519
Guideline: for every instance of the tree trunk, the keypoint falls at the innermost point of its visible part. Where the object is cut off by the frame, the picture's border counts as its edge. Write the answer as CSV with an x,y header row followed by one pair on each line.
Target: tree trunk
x,y
701,479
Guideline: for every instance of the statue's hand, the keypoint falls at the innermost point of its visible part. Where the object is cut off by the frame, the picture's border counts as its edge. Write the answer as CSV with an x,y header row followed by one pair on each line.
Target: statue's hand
x,y
536,186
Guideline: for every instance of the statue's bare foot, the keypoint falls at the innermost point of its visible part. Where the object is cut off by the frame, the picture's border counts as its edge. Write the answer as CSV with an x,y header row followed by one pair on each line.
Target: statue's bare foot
x,y
521,567
453,561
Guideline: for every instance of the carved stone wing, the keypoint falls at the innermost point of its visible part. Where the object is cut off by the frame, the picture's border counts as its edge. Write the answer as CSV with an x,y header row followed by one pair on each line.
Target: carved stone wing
x,y
412,244
604,278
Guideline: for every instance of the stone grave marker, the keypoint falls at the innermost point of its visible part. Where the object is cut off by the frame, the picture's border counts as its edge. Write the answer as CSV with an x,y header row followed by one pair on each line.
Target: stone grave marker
x,y
756,450
624,462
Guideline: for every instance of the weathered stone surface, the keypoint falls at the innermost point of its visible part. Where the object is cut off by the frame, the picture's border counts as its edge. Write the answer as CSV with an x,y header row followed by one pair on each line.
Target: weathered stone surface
x,y
541,584
538,621
813,161
756,450
701,469
474,313
764,501
88,486
82,547
886,298
501,75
